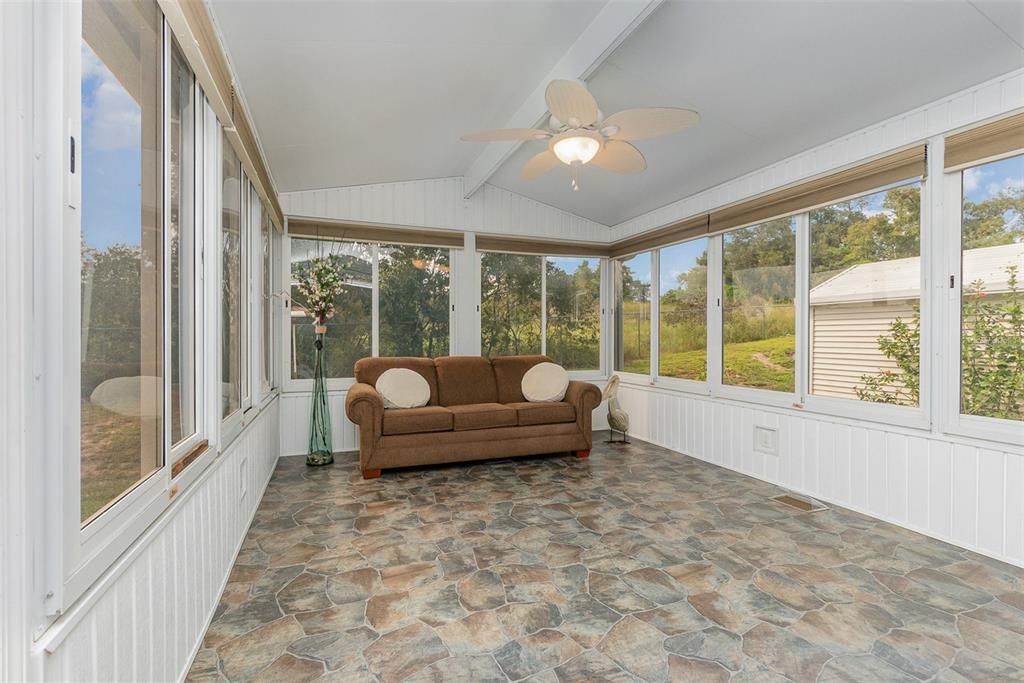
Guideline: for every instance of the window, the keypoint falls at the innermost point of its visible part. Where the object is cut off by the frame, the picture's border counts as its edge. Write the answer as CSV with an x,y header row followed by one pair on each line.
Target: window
x,y
992,300
232,292
122,235
510,304
758,312
182,236
633,316
683,310
350,332
865,293
266,309
573,289
414,301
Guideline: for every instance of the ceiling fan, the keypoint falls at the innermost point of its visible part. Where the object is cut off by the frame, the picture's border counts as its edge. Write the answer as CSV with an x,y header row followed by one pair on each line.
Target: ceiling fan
x,y
577,133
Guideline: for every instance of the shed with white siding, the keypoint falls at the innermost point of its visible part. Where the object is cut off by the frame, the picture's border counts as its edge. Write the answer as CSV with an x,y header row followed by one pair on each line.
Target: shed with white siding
x,y
854,308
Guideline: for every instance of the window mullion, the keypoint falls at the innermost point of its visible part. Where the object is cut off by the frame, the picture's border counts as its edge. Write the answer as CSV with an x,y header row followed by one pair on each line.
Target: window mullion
x,y
543,305
375,300
802,352
655,308
714,319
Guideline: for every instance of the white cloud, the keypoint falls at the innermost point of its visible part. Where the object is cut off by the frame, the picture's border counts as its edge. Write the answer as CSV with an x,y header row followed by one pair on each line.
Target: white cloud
x,y
111,119
1009,183
972,179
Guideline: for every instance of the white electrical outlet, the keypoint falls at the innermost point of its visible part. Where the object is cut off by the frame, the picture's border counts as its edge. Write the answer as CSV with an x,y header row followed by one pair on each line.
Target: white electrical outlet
x,y
766,440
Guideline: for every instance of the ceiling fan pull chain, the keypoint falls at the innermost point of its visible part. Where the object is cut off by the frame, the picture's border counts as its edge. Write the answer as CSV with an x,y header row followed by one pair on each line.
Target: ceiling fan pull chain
x,y
575,173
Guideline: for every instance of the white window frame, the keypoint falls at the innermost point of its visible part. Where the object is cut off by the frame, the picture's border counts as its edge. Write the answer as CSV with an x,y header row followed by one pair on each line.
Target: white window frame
x,y
230,425
82,554
191,442
1004,432
753,394
914,417
604,362
290,384
689,386
624,375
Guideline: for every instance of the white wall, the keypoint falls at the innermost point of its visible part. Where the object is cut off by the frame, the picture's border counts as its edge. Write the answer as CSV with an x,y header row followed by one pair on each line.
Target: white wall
x,y
438,203
951,489
144,621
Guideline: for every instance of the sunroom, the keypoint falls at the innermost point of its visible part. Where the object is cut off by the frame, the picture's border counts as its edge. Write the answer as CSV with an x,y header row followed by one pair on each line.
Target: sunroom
x,y
506,340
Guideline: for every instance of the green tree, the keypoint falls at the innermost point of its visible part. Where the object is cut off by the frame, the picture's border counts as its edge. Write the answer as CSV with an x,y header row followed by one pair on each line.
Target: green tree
x,y
510,304
414,310
574,315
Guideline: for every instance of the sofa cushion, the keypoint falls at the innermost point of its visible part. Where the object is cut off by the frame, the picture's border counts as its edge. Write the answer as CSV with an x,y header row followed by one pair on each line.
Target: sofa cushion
x,y
403,388
462,380
545,383
544,413
509,371
416,420
482,416
367,370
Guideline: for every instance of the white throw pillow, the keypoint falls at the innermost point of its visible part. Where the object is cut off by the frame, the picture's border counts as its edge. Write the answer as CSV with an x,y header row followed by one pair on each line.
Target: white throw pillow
x,y
545,383
403,388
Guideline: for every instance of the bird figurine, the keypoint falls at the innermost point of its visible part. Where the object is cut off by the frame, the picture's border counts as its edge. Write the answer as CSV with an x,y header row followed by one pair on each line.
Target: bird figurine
x,y
618,419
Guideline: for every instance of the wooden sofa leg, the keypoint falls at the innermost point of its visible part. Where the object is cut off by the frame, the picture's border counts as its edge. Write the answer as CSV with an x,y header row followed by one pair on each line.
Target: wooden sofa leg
x,y
583,454
371,474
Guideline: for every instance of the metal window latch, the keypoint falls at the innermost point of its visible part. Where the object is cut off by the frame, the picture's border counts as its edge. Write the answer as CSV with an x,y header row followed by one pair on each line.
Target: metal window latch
x,y
72,154
952,281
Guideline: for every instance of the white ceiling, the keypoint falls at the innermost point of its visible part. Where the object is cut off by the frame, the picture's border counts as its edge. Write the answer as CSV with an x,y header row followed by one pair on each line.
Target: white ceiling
x,y
349,93
356,91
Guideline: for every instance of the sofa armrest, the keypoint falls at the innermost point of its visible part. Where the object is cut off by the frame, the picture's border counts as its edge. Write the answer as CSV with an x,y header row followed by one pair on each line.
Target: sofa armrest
x,y
365,407
585,397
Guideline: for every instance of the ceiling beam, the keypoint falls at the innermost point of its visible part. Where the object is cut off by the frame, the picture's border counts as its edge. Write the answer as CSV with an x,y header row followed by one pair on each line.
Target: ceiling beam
x,y
616,20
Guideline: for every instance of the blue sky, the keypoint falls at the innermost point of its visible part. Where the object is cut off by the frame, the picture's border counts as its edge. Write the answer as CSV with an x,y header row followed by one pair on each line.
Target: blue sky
x,y
640,266
985,182
679,259
110,158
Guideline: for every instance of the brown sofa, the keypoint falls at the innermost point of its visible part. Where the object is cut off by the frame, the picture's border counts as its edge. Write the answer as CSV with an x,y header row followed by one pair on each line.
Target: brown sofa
x,y
476,411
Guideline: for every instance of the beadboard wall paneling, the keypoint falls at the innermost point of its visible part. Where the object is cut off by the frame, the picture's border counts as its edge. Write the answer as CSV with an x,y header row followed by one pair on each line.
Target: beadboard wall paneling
x,y
439,203
148,625
993,98
295,412
957,492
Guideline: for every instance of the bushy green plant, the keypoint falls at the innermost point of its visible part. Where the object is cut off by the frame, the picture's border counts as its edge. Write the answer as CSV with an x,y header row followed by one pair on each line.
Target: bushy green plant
x,y
991,355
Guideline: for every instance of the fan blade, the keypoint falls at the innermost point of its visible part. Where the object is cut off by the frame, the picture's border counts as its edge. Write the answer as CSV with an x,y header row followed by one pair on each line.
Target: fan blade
x,y
571,103
507,134
540,164
620,157
649,122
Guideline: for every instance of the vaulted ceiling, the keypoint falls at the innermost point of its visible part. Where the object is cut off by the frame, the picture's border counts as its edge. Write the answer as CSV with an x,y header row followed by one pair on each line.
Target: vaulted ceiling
x,y
354,92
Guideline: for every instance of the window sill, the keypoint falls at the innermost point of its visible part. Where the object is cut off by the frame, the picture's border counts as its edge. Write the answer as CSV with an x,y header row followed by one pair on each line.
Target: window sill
x,y
911,417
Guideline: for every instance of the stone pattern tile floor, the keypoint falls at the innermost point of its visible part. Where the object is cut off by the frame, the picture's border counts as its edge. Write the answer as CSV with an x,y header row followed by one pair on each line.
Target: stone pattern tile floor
x,y
637,564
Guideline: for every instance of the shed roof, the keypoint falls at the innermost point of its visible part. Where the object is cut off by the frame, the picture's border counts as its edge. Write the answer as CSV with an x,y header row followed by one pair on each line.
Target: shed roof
x,y
900,278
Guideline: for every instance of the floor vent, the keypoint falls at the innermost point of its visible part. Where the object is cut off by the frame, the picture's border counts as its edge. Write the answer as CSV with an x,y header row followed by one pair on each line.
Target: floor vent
x,y
802,504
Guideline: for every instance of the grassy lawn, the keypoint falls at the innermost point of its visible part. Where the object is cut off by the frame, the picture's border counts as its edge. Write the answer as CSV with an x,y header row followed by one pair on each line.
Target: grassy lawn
x,y
110,456
765,364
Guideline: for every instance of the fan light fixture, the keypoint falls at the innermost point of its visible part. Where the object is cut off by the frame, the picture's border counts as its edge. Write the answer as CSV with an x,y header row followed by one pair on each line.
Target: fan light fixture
x,y
578,133
578,148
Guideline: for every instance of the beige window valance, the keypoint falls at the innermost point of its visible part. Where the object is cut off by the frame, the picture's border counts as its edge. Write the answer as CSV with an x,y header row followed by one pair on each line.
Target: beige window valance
x,y
994,140
319,228
892,168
